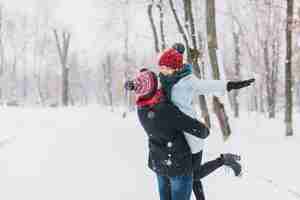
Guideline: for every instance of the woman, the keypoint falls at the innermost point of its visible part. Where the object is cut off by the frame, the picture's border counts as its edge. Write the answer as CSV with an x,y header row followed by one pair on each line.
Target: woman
x,y
169,154
180,87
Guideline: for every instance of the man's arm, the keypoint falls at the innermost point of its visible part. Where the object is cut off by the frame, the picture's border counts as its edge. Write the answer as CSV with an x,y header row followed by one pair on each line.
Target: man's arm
x,y
183,122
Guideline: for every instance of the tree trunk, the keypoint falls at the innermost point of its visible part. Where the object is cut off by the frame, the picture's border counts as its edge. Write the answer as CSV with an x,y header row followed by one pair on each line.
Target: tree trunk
x,y
195,54
237,65
24,85
288,70
13,96
109,80
1,53
261,98
187,17
298,94
272,85
65,86
107,73
268,77
126,52
100,85
202,100
63,48
153,27
255,100
161,25
271,75
201,53
219,108
39,88
181,31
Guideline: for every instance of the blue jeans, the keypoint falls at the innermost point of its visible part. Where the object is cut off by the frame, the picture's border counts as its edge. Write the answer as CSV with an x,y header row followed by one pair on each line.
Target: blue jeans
x,y
175,188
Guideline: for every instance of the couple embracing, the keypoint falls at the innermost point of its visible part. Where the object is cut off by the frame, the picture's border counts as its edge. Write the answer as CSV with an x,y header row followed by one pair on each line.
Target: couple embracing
x,y
175,136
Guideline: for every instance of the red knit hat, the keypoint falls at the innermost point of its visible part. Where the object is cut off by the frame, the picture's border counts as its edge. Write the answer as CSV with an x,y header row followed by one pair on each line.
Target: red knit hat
x,y
171,58
145,84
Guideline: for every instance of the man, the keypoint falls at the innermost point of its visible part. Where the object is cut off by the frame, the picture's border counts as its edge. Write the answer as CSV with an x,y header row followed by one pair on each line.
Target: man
x,y
169,154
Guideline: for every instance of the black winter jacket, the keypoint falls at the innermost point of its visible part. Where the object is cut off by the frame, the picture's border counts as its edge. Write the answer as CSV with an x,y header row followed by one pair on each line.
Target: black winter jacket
x,y
169,153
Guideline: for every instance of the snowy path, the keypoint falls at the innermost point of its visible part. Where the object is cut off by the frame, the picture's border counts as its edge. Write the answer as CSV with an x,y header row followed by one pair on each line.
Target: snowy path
x,y
89,153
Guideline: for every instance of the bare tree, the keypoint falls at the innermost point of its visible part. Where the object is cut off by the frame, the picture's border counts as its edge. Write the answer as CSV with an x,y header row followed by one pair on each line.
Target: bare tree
x,y
40,51
195,56
296,69
127,95
271,47
272,77
63,48
153,26
100,86
150,8
107,73
237,71
77,88
219,108
288,70
181,30
160,7
1,51
236,35
263,47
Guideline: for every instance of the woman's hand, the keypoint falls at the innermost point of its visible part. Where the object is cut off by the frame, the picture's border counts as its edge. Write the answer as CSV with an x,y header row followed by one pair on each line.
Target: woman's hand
x,y
234,85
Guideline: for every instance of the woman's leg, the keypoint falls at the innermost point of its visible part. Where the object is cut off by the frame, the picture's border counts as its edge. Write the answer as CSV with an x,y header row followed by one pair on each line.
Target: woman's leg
x,y
201,171
207,168
228,159
181,187
198,190
164,187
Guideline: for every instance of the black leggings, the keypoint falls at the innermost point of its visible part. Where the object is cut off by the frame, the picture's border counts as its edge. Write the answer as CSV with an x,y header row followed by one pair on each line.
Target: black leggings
x,y
201,171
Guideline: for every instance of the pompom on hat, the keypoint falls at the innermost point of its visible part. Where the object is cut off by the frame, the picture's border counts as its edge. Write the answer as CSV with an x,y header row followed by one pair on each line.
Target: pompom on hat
x,y
179,47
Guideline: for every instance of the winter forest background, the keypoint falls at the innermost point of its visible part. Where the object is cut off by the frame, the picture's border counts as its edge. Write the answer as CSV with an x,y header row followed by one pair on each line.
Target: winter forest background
x,y
55,53
69,130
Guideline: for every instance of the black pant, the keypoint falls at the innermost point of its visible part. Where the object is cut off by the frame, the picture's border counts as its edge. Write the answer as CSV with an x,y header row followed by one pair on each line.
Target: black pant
x,y
201,171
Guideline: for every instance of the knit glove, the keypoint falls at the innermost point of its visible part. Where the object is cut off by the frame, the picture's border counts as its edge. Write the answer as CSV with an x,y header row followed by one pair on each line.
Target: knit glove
x,y
234,85
129,85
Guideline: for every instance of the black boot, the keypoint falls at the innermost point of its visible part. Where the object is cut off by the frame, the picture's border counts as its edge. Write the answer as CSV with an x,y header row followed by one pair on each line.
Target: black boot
x,y
231,160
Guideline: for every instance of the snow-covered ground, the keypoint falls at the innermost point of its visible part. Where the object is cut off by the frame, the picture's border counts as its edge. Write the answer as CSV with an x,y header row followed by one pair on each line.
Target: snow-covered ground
x,y
91,153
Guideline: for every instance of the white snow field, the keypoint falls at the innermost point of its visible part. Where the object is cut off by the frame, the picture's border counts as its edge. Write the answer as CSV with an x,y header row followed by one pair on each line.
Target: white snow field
x,y
93,154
